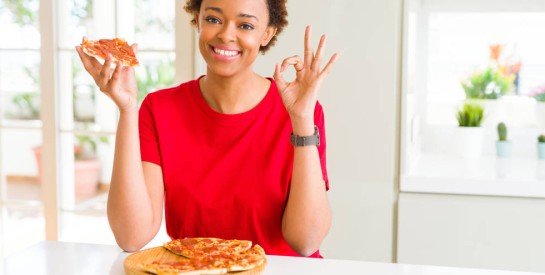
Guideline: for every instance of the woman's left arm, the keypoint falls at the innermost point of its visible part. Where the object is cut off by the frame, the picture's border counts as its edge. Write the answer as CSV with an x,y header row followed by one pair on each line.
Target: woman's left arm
x,y
307,216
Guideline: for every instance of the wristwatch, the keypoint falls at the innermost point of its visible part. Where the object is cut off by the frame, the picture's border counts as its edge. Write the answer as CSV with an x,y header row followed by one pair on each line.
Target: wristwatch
x,y
313,140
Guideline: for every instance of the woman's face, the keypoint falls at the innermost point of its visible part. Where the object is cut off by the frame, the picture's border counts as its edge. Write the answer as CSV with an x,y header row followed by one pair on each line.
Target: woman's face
x,y
231,32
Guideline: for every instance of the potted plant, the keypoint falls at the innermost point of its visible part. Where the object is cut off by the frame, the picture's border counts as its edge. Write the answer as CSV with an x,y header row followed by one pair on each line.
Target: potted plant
x,y
487,84
492,82
541,146
470,115
503,146
86,165
470,134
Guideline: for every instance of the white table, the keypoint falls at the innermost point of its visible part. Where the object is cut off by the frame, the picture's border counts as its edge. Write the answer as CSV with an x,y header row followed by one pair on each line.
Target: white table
x,y
60,258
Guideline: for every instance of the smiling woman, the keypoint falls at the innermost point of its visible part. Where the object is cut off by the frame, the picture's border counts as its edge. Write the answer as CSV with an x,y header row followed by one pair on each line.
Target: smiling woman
x,y
229,118
253,32
277,17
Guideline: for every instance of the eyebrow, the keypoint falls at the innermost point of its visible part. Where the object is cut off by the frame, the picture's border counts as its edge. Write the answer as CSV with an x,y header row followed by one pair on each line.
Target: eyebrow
x,y
246,15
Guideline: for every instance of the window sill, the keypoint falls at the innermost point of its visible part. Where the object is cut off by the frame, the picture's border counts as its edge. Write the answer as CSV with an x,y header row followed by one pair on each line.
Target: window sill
x,y
487,176
20,124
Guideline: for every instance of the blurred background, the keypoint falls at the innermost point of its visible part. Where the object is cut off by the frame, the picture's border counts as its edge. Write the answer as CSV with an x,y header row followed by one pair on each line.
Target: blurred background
x,y
412,113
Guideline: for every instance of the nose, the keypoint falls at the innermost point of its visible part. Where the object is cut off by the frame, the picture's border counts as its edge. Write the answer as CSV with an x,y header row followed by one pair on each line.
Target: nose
x,y
227,33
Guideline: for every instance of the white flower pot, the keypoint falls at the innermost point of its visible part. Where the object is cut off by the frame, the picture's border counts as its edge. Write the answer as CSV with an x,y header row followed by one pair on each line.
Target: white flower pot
x,y
469,142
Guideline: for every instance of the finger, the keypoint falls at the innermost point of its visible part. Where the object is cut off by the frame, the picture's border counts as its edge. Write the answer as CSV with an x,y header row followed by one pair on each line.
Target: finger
x,y
115,76
329,65
134,46
105,73
319,52
90,63
309,54
295,61
278,77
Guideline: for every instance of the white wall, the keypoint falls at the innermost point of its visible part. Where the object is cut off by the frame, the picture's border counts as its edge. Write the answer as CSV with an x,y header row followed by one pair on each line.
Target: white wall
x,y
360,100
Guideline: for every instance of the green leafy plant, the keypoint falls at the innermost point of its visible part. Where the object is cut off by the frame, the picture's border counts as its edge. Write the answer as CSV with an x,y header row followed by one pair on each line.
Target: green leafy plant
x,y
502,131
86,146
27,103
541,138
470,115
24,12
496,80
487,84
153,78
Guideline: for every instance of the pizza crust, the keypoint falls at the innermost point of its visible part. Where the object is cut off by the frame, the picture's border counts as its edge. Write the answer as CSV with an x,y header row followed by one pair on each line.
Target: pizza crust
x,y
167,269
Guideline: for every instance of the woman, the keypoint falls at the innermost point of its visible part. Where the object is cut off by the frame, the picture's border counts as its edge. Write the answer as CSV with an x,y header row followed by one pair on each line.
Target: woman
x,y
217,148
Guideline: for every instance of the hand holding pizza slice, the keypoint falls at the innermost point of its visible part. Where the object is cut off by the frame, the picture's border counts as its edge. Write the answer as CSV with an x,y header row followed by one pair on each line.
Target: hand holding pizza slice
x,y
118,83
118,48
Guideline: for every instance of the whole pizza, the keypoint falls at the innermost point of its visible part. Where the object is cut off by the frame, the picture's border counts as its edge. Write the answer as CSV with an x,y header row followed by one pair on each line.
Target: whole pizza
x,y
207,256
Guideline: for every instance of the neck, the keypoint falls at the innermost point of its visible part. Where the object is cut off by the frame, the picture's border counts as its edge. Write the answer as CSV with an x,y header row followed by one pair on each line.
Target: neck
x,y
234,94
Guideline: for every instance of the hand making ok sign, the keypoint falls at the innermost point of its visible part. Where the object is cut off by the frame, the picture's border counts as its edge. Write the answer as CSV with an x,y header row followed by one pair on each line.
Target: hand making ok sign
x,y
300,95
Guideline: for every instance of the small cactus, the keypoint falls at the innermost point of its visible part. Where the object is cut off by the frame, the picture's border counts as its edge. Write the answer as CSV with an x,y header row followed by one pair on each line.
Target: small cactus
x,y
541,138
502,131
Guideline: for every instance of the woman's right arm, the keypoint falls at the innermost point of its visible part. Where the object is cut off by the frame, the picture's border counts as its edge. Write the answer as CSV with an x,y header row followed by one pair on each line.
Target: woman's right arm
x,y
135,199
136,192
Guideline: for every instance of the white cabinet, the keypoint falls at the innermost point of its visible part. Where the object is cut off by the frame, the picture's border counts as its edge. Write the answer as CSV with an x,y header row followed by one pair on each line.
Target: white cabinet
x,y
472,231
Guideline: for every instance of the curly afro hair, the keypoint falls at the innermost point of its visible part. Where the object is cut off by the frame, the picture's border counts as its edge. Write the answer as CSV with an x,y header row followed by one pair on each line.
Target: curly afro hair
x,y
278,17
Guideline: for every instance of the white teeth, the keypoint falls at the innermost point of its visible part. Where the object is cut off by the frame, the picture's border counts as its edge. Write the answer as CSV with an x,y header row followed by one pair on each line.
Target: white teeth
x,y
226,53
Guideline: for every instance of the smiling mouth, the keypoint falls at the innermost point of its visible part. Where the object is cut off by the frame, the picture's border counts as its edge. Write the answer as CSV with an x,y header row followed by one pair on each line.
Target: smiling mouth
x,y
225,52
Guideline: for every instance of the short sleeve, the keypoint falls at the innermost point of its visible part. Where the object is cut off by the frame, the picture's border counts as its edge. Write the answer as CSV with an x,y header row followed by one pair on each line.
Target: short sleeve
x,y
320,123
149,142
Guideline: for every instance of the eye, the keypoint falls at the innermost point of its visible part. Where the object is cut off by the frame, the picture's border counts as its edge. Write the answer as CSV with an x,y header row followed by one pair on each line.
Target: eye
x,y
246,27
212,20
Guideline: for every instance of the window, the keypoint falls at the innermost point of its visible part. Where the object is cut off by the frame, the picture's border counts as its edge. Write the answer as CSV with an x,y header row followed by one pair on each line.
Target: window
x,y
446,43
22,218
150,24
80,123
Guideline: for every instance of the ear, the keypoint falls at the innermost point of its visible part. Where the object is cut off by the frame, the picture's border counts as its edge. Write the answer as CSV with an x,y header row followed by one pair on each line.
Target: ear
x,y
197,22
270,32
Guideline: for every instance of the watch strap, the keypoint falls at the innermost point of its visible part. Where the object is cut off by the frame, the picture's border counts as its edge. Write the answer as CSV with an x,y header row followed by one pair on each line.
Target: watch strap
x,y
313,140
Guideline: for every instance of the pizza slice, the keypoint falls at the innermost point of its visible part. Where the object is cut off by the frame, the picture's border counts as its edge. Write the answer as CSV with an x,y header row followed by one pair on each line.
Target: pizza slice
x,y
117,47
247,260
191,247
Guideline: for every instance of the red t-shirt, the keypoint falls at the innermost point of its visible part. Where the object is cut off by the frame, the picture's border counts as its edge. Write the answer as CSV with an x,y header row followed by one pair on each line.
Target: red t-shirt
x,y
225,176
